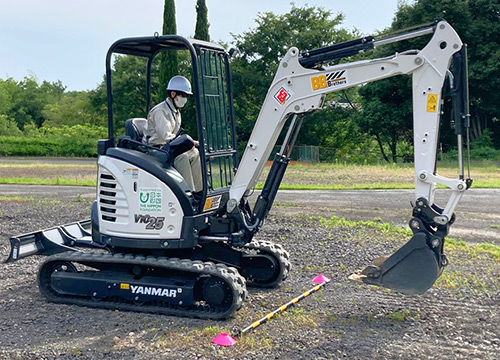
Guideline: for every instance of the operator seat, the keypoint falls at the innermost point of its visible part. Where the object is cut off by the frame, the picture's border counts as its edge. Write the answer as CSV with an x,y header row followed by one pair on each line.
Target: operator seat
x,y
135,128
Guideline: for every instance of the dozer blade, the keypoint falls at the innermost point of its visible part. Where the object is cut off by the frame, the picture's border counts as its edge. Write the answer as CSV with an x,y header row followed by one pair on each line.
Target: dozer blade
x,y
411,270
51,241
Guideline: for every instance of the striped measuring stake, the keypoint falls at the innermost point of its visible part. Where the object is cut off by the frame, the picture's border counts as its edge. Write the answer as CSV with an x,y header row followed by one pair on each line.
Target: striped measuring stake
x,y
283,307
228,340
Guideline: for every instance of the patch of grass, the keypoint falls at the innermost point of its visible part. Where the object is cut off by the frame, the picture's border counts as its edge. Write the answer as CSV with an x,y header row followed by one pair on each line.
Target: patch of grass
x,y
253,342
51,181
211,331
491,249
478,251
457,279
16,198
31,164
472,251
297,177
399,315
186,338
391,176
494,226
402,316
360,186
300,318
77,350
385,228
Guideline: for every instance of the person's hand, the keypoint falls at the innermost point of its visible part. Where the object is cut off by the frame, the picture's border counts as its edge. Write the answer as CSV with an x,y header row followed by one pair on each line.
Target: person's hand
x,y
196,144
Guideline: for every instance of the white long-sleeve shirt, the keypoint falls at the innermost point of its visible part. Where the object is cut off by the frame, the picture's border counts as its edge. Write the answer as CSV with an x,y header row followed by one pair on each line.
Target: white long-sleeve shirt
x,y
164,121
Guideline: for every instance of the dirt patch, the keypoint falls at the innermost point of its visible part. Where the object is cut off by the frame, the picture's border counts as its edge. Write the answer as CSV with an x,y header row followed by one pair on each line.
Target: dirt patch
x,y
457,319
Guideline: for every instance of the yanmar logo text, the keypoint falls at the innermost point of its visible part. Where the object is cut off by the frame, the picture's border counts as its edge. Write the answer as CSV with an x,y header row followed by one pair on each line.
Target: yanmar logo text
x,y
335,78
149,290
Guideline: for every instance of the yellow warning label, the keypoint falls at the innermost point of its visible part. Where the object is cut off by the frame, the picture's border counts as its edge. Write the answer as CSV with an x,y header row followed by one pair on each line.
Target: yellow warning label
x,y
432,100
124,286
208,204
212,203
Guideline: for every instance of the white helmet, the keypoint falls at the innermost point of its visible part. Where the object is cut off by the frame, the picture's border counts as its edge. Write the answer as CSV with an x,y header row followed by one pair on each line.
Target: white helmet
x,y
179,83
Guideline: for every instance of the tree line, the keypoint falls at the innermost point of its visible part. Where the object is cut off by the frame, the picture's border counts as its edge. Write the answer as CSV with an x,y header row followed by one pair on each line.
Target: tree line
x,y
376,117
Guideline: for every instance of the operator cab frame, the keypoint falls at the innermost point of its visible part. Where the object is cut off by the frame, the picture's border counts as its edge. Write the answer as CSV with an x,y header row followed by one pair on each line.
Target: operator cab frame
x,y
212,93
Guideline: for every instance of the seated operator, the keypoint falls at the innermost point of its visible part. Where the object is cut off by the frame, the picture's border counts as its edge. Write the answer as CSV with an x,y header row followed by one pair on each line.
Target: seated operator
x,y
163,126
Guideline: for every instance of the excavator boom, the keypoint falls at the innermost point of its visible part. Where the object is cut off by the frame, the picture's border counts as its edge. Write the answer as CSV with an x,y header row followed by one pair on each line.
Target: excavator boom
x,y
300,86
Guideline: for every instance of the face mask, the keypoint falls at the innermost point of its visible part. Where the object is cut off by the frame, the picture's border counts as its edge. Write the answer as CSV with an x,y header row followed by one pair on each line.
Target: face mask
x,y
180,101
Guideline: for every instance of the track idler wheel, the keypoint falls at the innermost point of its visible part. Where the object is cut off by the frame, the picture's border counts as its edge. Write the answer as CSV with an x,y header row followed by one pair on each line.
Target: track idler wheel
x,y
217,293
45,276
411,270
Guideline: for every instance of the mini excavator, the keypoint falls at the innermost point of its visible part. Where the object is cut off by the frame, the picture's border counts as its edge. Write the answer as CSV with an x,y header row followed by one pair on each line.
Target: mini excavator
x,y
150,245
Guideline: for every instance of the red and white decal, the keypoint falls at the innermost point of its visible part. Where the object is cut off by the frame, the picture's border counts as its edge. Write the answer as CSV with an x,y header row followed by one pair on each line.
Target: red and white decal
x,y
283,95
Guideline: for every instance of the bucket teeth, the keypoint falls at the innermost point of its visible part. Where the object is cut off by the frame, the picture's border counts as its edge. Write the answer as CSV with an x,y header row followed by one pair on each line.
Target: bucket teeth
x,y
370,271
357,277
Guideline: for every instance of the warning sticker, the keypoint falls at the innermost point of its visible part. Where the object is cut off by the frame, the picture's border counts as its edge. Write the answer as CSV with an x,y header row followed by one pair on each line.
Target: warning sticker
x,y
150,200
212,203
432,100
282,96
131,172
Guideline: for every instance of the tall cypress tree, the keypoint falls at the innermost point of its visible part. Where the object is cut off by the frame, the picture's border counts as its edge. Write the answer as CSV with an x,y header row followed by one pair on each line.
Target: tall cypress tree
x,y
201,31
169,63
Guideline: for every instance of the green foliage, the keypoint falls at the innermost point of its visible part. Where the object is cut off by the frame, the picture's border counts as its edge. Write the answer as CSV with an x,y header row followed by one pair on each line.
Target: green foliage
x,y
73,108
169,62
379,121
78,140
8,127
202,25
387,113
7,90
478,24
480,149
386,104
24,101
492,249
129,90
263,47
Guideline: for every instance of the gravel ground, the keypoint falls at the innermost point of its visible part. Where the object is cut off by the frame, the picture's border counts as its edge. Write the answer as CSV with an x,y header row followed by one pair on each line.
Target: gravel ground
x,y
342,321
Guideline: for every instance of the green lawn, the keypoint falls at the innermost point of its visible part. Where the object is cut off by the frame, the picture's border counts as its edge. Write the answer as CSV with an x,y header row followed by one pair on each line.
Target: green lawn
x,y
297,176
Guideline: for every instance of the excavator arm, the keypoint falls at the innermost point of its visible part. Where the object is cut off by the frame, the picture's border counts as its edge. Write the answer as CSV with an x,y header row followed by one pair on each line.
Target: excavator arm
x,y
300,86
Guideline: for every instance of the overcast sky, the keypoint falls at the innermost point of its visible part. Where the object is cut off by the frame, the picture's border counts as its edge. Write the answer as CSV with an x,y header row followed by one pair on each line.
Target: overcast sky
x,y
67,40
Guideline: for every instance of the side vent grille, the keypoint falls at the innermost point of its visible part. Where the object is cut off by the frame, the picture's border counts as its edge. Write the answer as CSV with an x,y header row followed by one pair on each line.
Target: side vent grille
x,y
107,197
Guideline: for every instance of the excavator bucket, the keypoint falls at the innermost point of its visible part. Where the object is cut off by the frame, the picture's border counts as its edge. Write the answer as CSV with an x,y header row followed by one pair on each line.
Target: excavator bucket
x,y
411,270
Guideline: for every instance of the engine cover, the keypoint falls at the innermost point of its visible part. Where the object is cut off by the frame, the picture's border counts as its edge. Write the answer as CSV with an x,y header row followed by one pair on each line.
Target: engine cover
x,y
133,203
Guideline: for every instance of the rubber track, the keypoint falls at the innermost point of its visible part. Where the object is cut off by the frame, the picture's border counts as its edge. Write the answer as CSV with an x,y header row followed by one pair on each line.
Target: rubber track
x,y
279,252
228,274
